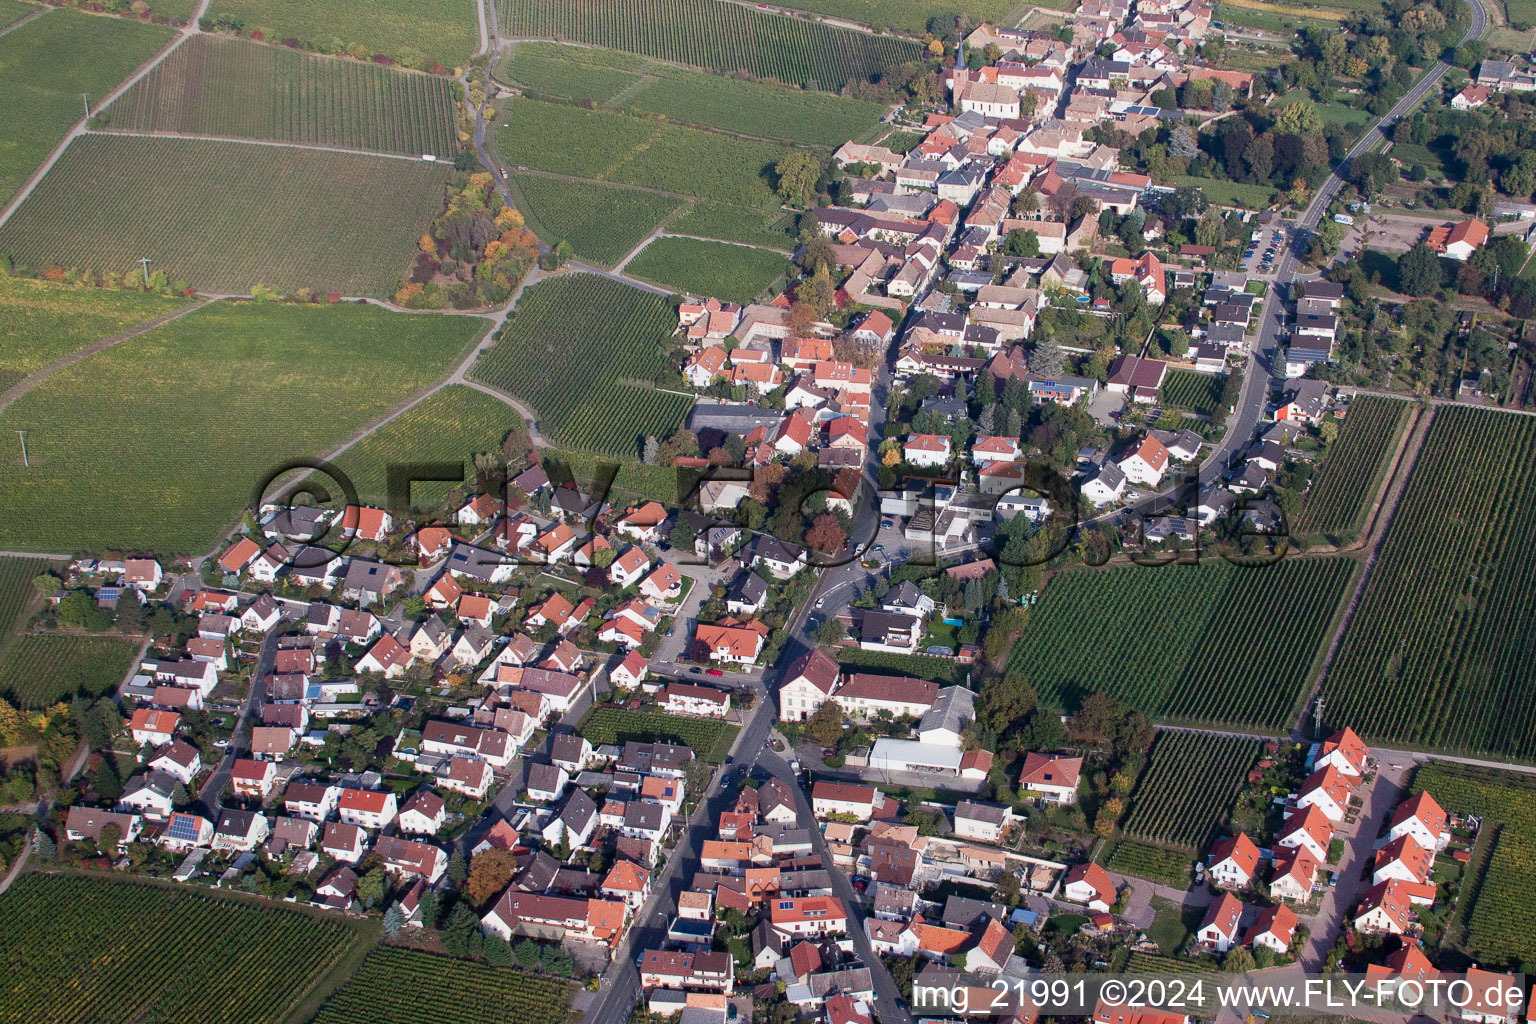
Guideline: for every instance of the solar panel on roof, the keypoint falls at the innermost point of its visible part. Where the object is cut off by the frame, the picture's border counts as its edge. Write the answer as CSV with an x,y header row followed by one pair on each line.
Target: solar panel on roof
x,y
183,828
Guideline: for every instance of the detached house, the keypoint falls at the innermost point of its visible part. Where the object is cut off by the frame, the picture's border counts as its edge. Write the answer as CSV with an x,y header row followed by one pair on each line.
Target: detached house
x,y
366,808
1219,928
1328,790
734,642
1090,885
1307,829
1051,778
1421,818
1234,861
1274,929
809,682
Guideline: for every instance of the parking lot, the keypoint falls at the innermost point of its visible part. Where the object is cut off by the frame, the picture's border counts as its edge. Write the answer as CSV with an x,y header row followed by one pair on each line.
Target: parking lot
x,y
1261,255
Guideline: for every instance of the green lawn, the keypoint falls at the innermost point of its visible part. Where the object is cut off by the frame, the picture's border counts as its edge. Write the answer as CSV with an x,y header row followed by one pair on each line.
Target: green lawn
x,y
602,223
226,216
41,321
174,429
413,32
44,67
1173,924
1228,193
733,273
451,426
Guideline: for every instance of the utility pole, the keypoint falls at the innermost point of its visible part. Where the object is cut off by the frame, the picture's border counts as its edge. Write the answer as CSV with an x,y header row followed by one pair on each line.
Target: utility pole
x,y
145,261
84,98
24,460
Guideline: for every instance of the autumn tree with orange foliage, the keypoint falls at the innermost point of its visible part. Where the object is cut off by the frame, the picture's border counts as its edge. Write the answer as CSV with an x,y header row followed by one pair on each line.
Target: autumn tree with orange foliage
x,y
826,534
765,481
489,874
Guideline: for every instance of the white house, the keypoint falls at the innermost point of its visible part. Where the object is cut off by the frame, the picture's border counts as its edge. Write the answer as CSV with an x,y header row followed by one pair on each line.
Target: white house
x,y
1219,929
927,450
1091,886
1106,487
1147,463
845,798
1234,861
1421,818
1050,778
809,682
987,823
1328,790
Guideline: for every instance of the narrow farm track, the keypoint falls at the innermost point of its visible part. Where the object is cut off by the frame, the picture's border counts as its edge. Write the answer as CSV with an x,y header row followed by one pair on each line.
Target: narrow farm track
x,y
33,16
254,142
191,28
1394,494
36,377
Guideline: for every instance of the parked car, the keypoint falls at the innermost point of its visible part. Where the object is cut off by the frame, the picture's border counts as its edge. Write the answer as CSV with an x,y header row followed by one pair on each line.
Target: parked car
x,y
713,672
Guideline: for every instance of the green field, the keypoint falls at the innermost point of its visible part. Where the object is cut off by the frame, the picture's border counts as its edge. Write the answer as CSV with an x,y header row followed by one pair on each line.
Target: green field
x,y
1166,867
911,16
452,425
728,223
41,669
634,480
13,10
1227,193
86,949
919,666
1188,787
226,216
1438,654
579,350
1281,23
404,986
609,146
708,738
175,428
602,223
215,85
733,273
719,36
1495,903
1198,393
902,142
411,31
1205,644
691,97
1352,468
46,64
16,592
41,321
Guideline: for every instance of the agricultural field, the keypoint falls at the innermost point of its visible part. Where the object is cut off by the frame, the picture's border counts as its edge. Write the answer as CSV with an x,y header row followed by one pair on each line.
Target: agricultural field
x,y
634,480
200,411
1454,673
602,223
774,229
14,10
1166,867
901,142
41,321
1498,932
216,85
1152,963
411,31
225,217
16,593
46,64
734,273
1188,787
405,986
1207,644
699,98
453,425
1352,468
610,146
1196,392
581,350
1227,193
911,16
41,669
708,34
708,738
86,949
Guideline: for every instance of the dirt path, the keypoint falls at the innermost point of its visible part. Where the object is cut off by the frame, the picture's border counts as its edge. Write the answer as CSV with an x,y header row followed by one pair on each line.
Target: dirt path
x,y
32,16
36,377
253,142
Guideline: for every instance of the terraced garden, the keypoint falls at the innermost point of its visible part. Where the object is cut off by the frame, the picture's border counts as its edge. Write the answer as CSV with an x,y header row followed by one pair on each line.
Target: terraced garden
x,y
1197,392
42,669
637,85
585,353
1501,887
199,412
414,32
602,223
41,321
1188,787
708,738
216,85
451,426
1352,469
85,949
720,37
46,64
404,986
225,217
1454,674
1206,644
733,273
